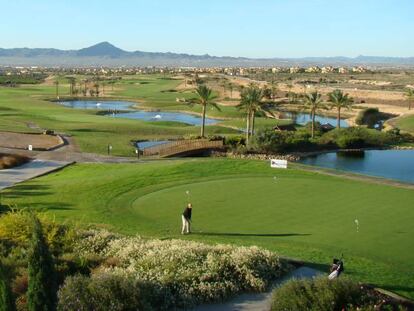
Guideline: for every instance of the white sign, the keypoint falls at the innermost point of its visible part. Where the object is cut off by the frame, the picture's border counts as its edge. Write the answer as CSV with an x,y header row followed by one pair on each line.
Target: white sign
x,y
30,147
275,163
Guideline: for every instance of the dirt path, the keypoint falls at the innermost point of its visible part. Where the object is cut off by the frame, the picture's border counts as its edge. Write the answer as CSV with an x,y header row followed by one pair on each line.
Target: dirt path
x,y
260,301
69,152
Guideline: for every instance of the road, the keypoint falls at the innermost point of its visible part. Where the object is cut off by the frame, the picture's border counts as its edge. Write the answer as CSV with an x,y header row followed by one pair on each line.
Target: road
x,y
259,301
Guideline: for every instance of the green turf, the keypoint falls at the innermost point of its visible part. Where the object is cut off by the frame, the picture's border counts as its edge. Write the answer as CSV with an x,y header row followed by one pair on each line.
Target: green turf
x,y
26,105
298,214
406,123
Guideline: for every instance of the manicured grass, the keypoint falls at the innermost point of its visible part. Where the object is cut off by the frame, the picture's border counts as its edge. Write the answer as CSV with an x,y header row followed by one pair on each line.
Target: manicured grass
x,y
296,213
26,105
406,123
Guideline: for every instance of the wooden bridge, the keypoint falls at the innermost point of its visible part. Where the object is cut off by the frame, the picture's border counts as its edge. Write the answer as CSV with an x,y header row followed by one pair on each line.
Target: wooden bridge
x,y
182,147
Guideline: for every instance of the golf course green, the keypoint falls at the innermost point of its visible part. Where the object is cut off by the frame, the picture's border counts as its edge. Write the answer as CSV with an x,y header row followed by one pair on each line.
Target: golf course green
x,y
28,108
300,214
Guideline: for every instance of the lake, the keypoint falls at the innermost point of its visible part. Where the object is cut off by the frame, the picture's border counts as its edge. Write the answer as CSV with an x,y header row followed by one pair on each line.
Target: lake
x,y
150,143
392,164
303,118
114,106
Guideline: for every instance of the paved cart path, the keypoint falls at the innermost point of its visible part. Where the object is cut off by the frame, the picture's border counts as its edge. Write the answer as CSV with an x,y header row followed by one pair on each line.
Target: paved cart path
x,y
260,301
10,177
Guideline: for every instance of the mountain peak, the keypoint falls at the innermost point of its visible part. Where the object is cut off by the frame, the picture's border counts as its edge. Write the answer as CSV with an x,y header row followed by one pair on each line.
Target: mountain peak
x,y
101,49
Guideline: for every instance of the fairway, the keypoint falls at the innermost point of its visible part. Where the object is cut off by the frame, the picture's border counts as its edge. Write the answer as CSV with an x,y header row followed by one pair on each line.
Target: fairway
x,y
29,109
406,123
299,214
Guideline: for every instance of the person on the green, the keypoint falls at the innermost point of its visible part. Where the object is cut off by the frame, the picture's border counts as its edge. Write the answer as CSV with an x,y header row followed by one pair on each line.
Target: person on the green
x,y
186,218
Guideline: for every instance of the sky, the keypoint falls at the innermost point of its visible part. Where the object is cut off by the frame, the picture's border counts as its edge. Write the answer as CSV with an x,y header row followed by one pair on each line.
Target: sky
x,y
249,28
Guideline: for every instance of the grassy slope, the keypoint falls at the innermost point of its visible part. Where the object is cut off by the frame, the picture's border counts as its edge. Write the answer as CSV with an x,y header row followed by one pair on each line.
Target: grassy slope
x,y
26,104
23,105
406,123
299,214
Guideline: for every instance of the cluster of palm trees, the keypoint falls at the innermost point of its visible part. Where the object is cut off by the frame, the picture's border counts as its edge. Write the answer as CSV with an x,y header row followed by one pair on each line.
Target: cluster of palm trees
x,y
94,86
336,100
252,101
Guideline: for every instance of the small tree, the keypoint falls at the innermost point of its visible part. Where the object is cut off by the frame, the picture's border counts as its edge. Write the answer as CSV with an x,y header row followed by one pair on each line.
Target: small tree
x,y
313,102
251,102
409,93
6,297
340,100
205,98
41,293
57,88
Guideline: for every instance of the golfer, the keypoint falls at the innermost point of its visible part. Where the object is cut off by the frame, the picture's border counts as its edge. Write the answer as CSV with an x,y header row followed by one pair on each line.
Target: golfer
x,y
186,218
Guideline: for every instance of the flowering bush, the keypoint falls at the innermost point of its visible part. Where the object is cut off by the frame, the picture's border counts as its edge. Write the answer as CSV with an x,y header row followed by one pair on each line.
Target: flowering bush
x,y
16,229
176,273
336,295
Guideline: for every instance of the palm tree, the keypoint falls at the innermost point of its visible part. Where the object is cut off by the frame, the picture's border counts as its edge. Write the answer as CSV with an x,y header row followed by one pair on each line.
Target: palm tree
x,y
223,84
409,93
57,88
251,102
313,102
274,89
205,98
231,87
340,100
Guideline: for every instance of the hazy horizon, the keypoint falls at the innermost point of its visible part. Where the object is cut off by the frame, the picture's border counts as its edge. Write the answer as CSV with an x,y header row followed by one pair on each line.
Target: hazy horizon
x,y
178,52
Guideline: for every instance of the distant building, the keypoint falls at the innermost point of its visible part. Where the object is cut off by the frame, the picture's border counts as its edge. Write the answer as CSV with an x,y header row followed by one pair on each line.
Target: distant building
x,y
294,69
343,70
327,69
313,69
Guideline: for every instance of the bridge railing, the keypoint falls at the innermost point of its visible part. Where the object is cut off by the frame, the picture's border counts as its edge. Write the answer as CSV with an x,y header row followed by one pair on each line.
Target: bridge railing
x,y
181,146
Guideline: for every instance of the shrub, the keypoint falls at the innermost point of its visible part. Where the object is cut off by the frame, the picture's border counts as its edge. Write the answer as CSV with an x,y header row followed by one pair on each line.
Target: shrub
x,y
234,141
370,117
323,294
215,137
6,298
16,228
176,273
41,293
102,292
271,141
357,137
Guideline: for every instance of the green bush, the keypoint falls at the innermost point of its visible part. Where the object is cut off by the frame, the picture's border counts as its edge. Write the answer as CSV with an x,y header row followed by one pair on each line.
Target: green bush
x,y
271,141
41,293
358,137
16,230
318,294
234,141
370,117
6,298
162,275
103,292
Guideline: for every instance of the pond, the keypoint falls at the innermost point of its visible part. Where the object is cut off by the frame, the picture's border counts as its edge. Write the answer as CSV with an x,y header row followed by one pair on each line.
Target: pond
x,y
303,118
150,143
114,106
392,164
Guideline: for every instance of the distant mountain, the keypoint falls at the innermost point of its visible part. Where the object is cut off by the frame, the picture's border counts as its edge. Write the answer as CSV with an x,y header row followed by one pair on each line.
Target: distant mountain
x,y
106,54
102,49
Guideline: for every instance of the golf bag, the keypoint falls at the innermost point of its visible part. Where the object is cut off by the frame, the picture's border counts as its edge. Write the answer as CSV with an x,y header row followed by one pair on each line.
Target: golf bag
x,y
336,269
